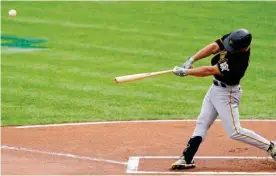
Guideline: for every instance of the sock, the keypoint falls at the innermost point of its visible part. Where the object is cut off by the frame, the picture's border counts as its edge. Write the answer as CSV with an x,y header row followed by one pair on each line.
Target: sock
x,y
192,148
270,147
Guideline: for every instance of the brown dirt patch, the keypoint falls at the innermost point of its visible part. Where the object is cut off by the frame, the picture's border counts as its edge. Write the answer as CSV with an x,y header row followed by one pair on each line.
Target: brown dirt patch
x,y
120,141
211,165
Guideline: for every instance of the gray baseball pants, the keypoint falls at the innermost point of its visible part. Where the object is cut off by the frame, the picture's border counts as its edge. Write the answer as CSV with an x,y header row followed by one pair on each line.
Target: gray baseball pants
x,y
224,102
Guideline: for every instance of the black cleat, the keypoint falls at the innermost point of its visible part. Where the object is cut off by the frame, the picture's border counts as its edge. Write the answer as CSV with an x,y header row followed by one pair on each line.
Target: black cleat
x,y
181,163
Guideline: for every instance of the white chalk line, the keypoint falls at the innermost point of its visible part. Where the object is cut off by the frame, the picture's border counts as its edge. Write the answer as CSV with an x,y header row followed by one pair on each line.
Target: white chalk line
x,y
68,155
202,173
206,157
134,121
133,164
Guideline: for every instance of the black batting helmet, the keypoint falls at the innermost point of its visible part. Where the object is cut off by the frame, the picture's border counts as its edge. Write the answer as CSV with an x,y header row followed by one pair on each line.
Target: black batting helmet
x,y
237,40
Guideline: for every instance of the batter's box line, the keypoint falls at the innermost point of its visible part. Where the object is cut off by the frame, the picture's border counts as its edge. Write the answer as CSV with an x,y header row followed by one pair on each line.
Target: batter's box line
x,y
68,155
133,164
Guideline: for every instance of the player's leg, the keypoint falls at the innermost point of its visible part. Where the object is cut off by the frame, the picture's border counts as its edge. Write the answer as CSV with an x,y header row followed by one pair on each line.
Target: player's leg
x,y
206,118
226,103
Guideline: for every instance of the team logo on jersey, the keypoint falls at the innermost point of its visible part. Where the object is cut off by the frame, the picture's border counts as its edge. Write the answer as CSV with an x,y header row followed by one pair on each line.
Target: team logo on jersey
x,y
230,42
222,55
224,66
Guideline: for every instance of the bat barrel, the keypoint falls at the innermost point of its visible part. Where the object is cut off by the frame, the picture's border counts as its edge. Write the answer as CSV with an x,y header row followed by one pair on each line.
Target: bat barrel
x,y
134,77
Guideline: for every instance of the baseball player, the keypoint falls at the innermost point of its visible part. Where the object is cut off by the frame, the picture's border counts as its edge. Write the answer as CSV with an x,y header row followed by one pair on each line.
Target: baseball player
x,y
228,66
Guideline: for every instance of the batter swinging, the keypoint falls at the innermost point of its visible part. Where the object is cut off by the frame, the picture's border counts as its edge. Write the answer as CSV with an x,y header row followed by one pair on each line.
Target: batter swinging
x,y
223,98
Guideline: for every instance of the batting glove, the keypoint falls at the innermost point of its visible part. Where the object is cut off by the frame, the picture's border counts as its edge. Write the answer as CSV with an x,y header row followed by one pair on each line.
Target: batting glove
x,y
179,71
188,64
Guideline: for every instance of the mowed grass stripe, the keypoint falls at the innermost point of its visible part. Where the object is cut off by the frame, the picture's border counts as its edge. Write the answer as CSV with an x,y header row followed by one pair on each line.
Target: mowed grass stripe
x,y
166,15
95,26
121,29
260,70
47,65
147,45
140,94
133,51
201,38
65,109
123,33
82,88
73,68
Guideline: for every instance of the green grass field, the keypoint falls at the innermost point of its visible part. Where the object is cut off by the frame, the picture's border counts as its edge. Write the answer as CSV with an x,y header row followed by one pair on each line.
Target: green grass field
x,y
90,43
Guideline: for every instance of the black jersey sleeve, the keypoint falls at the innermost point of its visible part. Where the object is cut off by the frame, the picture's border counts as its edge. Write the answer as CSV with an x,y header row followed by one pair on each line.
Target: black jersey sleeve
x,y
220,41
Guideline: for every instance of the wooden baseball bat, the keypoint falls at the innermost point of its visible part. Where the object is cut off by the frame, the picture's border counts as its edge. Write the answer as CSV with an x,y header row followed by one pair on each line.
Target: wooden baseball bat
x,y
134,77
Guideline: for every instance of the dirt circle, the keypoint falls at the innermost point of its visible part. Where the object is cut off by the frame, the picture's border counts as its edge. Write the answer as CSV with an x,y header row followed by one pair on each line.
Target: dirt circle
x,y
143,147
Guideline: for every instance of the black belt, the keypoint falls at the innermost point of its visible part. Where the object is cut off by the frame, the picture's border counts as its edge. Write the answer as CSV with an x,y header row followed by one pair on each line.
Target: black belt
x,y
219,84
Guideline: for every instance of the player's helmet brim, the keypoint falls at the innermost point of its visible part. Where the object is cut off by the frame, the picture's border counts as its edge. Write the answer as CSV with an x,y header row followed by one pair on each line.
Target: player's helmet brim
x,y
227,45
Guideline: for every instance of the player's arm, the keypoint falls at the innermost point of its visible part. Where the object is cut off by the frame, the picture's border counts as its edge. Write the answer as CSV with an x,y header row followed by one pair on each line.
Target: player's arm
x,y
210,49
198,72
204,71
